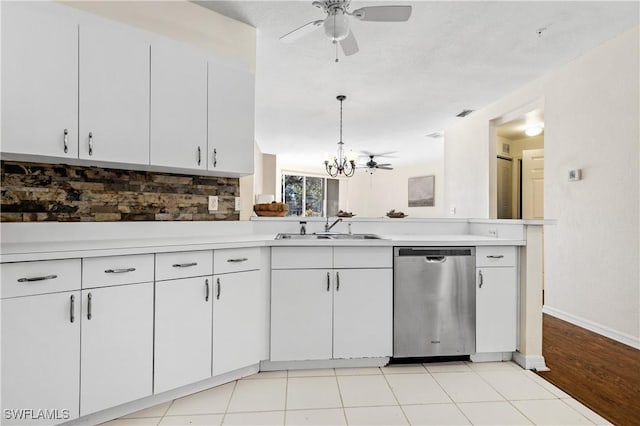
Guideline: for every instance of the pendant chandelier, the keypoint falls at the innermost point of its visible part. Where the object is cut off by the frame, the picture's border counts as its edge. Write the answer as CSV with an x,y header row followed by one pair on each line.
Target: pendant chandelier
x,y
340,164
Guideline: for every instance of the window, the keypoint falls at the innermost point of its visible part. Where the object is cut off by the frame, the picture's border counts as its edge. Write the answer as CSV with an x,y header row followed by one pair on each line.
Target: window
x,y
305,195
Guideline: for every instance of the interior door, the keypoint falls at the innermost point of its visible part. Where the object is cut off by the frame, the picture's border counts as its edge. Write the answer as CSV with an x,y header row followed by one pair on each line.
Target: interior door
x,y
505,166
533,184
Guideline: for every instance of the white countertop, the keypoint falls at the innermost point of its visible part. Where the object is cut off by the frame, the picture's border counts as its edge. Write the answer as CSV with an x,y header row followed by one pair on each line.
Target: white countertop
x,y
18,252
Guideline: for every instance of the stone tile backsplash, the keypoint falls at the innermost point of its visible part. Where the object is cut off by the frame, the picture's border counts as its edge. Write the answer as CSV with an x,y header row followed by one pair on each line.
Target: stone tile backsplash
x,y
34,192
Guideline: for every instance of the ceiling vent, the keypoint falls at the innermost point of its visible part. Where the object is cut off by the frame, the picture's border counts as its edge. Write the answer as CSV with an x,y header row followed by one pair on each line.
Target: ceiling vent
x,y
436,135
465,112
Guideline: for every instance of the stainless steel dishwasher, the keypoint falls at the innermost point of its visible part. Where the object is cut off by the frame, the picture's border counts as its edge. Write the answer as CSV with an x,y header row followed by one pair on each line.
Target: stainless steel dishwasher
x,y
434,301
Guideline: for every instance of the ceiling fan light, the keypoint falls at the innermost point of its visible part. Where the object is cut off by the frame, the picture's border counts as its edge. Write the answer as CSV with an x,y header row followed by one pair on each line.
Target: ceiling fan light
x,y
336,26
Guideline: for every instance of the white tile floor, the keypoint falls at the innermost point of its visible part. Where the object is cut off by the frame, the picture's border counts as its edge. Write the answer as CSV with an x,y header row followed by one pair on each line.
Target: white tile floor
x,y
454,393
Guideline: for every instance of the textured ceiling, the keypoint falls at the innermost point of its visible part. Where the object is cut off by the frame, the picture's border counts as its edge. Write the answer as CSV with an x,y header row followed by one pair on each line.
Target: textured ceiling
x,y
409,79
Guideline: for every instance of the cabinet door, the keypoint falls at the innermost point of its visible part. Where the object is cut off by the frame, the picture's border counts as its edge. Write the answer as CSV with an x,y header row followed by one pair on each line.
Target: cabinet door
x,y
363,313
182,332
237,332
301,314
41,354
117,346
114,93
496,309
39,79
178,106
231,117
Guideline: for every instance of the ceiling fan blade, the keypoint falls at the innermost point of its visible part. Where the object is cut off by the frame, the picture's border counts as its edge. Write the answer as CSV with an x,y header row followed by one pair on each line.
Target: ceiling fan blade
x,y
384,164
349,45
384,168
301,32
383,13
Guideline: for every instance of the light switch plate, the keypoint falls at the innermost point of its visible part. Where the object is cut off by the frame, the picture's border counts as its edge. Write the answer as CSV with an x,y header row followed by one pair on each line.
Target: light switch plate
x,y
237,204
213,203
575,175
452,210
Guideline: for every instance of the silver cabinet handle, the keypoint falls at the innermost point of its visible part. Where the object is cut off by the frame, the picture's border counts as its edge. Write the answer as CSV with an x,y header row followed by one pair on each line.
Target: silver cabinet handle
x,y
199,156
90,143
66,140
43,278
215,157
481,279
495,256
72,308
119,271
328,281
206,294
337,281
89,297
241,259
218,289
184,265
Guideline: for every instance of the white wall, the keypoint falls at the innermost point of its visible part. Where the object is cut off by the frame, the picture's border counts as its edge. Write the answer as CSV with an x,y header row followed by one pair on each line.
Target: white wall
x,y
369,195
373,195
592,114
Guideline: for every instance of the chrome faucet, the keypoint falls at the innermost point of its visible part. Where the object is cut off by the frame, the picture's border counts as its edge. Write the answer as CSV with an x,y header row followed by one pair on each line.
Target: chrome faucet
x,y
328,227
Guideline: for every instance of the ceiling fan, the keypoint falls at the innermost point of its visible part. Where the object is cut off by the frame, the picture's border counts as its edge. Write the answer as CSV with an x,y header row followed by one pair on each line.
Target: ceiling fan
x,y
336,24
371,165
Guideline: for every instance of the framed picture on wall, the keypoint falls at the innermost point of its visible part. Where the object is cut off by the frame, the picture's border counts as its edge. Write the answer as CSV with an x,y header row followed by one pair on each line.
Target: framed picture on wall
x,y
422,191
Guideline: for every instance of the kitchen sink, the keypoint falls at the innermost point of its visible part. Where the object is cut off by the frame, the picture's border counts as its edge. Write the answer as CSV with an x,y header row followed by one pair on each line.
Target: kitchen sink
x,y
322,236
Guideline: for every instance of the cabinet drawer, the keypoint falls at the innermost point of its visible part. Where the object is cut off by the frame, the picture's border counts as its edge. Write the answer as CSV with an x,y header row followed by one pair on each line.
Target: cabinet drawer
x,y
301,257
236,260
495,256
47,276
116,270
362,257
184,264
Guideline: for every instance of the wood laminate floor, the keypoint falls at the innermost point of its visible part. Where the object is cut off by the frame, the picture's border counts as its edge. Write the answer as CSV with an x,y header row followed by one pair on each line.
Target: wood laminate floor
x,y
599,372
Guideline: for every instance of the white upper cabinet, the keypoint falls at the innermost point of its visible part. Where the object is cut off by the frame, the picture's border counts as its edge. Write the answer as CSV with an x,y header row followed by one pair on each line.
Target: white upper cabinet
x,y
178,106
114,92
39,79
231,117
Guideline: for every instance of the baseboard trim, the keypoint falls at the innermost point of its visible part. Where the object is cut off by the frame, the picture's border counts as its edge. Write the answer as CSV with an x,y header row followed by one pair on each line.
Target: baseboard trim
x,y
624,338
530,362
323,363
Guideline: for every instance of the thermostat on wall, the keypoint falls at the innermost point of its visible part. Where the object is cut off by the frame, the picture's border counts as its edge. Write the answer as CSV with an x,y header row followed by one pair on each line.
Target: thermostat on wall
x,y
575,174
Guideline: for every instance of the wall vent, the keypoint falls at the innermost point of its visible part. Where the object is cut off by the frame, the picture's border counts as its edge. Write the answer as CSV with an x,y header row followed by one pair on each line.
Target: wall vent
x,y
465,112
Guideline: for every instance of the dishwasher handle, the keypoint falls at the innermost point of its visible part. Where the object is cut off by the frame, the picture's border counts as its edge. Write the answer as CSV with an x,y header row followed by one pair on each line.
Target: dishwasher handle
x,y
434,252
435,259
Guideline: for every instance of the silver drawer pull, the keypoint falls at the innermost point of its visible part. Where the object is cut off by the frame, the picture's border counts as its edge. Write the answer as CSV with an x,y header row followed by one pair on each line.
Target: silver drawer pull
x,y
66,140
206,294
480,278
89,297
218,290
215,157
72,309
242,259
184,265
119,271
46,277
495,256
90,143
199,156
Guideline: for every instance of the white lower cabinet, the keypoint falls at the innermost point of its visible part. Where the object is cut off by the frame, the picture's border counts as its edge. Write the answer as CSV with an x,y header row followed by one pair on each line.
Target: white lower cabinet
x,y
363,313
41,355
237,323
301,314
330,313
116,345
496,299
182,332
